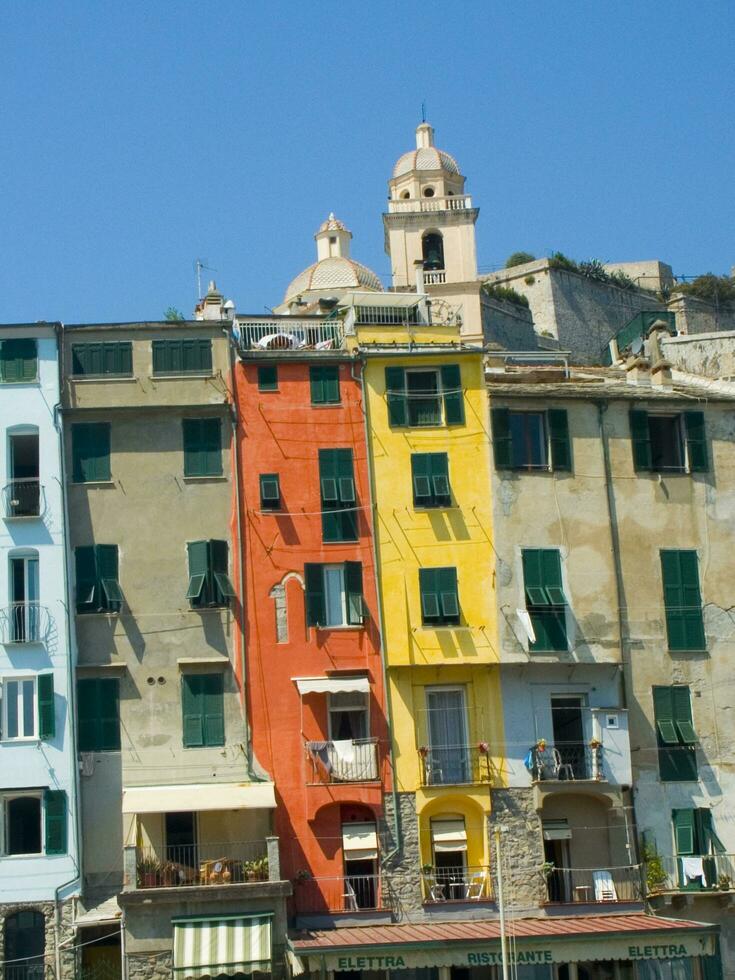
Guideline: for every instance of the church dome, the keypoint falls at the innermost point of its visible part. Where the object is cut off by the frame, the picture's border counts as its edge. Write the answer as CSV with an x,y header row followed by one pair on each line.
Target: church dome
x,y
426,156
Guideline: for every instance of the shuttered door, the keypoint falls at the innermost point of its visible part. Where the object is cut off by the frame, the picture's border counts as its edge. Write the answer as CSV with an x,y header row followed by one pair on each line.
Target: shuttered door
x,y
192,710
453,394
46,707
213,709
682,600
56,821
395,393
316,611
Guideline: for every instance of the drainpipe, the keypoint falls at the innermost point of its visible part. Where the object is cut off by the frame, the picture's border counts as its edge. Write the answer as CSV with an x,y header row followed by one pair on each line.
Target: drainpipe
x,y
381,625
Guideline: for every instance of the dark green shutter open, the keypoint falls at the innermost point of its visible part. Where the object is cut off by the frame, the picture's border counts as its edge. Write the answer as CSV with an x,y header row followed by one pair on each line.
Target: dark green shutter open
x,y
202,447
338,498
452,394
198,590
429,589
192,711
561,448
18,360
421,478
640,436
545,599
682,600
270,491
682,714
55,821
696,439
46,708
677,758
86,578
353,593
396,397
219,559
87,714
316,610
108,576
448,595
214,709
683,821
502,439
90,452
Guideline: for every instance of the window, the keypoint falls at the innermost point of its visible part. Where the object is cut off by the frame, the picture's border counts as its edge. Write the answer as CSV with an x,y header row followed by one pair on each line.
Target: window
x,y
28,710
360,854
416,397
98,706
545,599
270,491
209,583
24,490
334,595
439,598
430,475
669,443
109,357
677,757
432,250
190,355
24,624
18,361
694,835
32,828
202,447
203,710
531,440
683,601
338,499
348,716
25,939
98,586
90,450
268,378
449,847
448,760
324,382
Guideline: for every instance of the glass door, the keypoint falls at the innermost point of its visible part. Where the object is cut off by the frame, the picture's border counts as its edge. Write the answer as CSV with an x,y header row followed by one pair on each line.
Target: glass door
x,y
24,592
448,758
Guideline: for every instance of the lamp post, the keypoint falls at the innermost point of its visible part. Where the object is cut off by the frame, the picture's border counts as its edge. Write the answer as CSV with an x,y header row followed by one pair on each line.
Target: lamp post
x,y
501,903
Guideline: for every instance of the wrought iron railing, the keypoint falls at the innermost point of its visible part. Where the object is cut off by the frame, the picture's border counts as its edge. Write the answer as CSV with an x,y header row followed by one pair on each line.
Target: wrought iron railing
x,y
23,971
22,498
442,765
690,873
344,893
24,622
342,761
386,315
457,885
286,334
579,885
223,863
567,760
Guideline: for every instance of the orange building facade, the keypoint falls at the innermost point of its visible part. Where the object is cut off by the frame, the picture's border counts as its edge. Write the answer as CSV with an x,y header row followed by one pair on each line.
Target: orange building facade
x,y
313,674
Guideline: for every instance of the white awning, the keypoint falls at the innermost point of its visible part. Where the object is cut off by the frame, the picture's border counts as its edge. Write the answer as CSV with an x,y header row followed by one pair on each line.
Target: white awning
x,y
448,835
223,946
198,796
331,685
359,842
361,298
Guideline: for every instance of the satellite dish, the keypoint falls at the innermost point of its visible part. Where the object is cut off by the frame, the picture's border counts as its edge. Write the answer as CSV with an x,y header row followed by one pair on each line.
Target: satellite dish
x,y
637,346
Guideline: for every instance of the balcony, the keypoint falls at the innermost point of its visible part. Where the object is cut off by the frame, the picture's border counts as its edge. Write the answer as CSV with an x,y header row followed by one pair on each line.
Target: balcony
x,y
341,894
285,333
24,622
441,885
342,761
22,498
452,765
435,278
231,862
691,875
455,202
577,886
567,761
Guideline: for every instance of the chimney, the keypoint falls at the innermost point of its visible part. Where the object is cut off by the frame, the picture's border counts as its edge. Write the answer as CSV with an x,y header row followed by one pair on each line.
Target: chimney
x,y
638,371
660,367
212,307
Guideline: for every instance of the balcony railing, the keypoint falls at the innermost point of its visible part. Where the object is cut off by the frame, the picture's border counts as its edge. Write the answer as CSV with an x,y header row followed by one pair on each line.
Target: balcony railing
x,y
285,334
691,873
24,622
24,971
457,885
345,893
342,761
386,315
451,764
579,885
435,278
567,761
22,498
455,202
225,863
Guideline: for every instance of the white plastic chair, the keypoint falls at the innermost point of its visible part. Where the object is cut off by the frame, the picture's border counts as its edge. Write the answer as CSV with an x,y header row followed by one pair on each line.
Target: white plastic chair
x,y
604,887
350,898
475,887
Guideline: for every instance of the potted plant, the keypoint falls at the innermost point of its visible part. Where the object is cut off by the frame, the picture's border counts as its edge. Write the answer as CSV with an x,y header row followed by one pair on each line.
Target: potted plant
x,y
541,745
483,748
656,875
724,883
547,869
148,869
169,874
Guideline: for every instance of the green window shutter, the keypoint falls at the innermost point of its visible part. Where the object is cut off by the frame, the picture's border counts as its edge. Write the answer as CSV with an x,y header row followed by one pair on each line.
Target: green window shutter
x,y
192,707
429,588
421,479
353,593
641,439
533,577
453,394
682,600
56,821
316,610
108,576
46,708
448,595
551,572
395,393
108,699
214,709
202,447
682,714
712,965
268,377
545,599
80,359
87,714
345,476
439,470
683,821
270,491
316,384
502,439
161,357
330,381
696,439
18,360
219,559
561,447
86,578
336,480
118,358
90,452
677,758
199,586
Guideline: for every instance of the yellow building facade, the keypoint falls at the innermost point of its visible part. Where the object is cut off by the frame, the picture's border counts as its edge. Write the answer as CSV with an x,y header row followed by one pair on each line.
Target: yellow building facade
x,y
428,446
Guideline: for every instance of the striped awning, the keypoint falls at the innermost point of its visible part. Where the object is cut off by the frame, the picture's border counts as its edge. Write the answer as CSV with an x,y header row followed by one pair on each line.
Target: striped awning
x,y
226,945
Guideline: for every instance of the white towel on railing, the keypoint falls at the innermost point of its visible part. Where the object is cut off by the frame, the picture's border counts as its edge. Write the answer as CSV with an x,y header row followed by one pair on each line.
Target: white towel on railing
x,y
344,751
692,868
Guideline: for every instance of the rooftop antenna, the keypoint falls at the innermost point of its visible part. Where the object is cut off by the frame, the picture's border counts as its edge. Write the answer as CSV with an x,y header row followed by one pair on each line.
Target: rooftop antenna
x,y
200,265
423,112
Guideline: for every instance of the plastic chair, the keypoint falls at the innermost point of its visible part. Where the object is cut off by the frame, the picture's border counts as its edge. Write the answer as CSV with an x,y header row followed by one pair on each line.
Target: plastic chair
x,y
604,887
475,888
350,898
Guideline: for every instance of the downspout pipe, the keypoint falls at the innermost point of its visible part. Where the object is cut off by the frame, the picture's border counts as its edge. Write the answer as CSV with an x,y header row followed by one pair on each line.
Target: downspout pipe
x,y
381,624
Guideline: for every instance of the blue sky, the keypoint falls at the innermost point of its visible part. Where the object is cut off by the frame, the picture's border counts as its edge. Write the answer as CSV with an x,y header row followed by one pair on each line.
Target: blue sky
x,y
140,136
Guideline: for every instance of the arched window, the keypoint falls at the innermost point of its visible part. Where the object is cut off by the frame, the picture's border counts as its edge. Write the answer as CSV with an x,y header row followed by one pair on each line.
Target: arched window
x,y
406,195
25,941
432,248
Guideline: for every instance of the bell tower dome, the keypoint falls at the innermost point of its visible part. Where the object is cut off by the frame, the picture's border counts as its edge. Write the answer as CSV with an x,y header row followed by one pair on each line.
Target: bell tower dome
x,y
429,219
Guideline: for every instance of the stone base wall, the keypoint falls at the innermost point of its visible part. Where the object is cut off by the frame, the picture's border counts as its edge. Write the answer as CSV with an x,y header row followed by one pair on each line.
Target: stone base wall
x,y
522,846
66,917
151,966
403,870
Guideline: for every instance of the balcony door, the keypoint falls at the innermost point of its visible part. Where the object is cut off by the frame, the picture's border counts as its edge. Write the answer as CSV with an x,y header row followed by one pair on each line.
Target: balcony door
x,y
360,852
351,752
567,718
24,490
181,841
24,593
448,759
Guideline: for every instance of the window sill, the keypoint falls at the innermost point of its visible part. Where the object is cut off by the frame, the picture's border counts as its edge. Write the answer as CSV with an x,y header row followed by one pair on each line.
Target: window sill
x,y
327,405
182,377
208,478
24,857
100,484
347,628
28,740
96,378
443,627
20,384
687,650
432,508
209,609
98,612
341,541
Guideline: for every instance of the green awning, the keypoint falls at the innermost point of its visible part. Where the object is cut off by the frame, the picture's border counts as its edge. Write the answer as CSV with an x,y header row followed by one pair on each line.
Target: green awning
x,y
225,945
